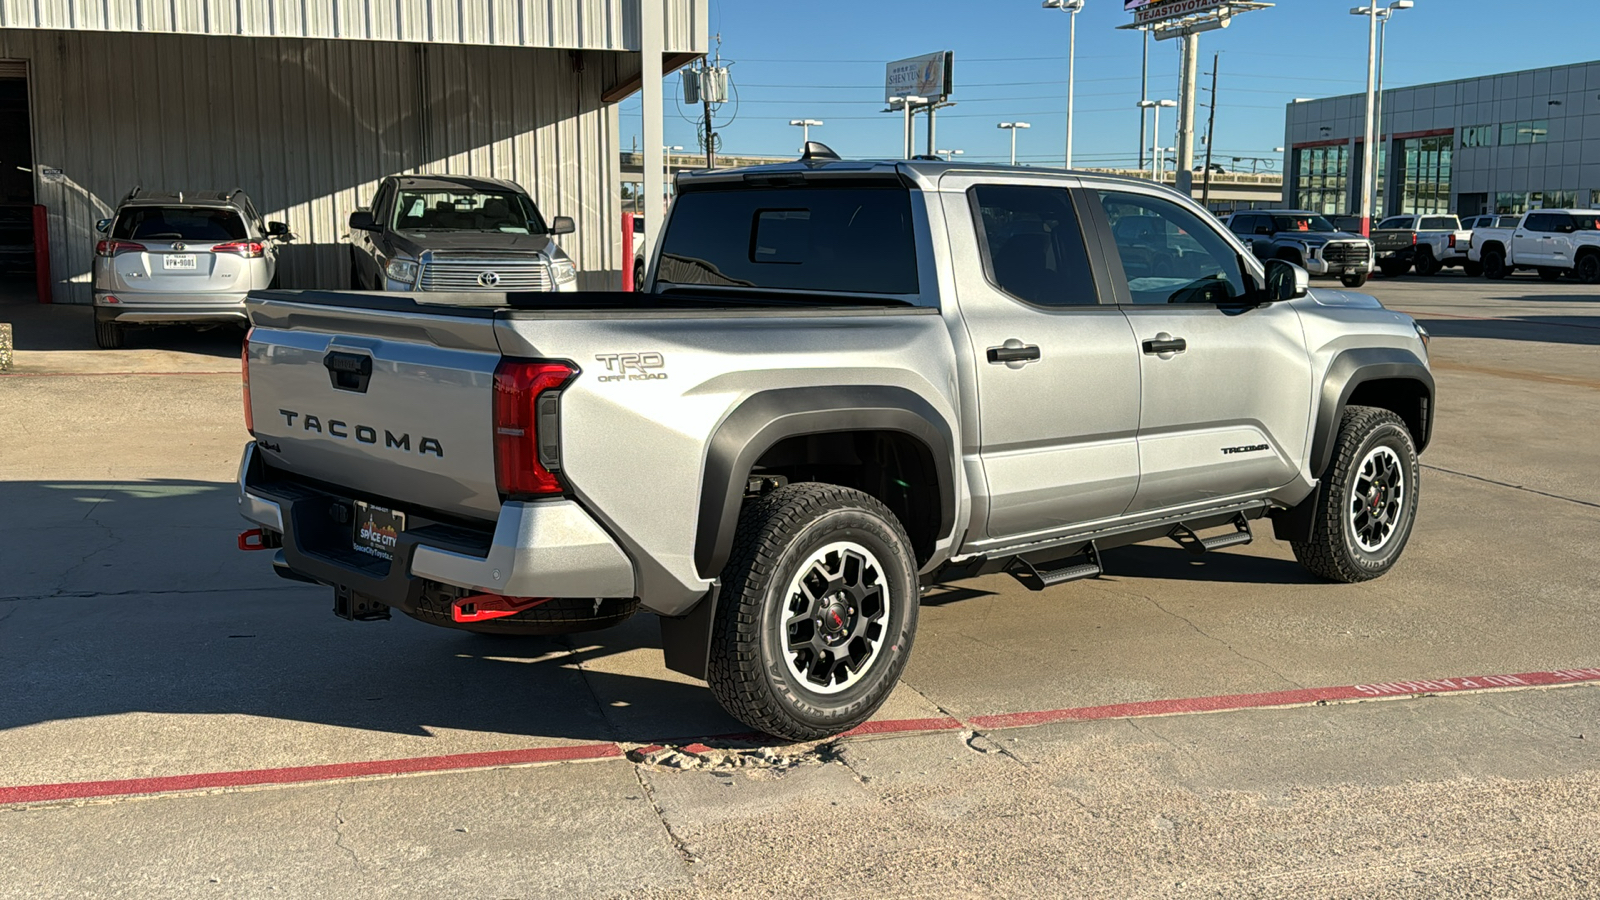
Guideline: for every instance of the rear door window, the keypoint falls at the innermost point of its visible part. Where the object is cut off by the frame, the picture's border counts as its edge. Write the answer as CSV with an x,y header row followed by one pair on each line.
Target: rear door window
x,y
1033,246
845,239
1396,222
179,223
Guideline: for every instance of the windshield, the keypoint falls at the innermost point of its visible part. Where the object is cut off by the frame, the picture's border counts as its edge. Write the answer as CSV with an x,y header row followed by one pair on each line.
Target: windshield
x,y
1301,223
506,212
179,223
847,239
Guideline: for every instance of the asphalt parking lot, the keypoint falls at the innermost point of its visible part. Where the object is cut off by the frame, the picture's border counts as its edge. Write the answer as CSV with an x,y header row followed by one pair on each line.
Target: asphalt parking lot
x,y
1221,726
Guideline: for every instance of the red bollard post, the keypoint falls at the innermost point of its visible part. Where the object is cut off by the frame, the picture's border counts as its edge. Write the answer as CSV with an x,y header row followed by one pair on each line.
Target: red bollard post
x,y
627,253
41,255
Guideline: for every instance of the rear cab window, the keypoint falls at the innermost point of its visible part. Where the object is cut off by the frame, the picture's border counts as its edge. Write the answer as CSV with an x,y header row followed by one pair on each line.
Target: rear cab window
x,y
844,239
1438,223
179,223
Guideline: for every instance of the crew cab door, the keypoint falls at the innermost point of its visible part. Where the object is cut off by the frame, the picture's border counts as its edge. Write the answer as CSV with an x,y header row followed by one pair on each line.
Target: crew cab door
x,y
1055,370
1530,242
1225,388
1559,245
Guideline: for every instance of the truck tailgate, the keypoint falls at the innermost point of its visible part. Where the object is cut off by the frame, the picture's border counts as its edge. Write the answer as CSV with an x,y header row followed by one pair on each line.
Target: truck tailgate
x,y
396,408
1390,240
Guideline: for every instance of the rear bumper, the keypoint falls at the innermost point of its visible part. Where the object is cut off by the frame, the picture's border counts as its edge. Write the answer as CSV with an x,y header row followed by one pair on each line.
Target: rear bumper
x,y
544,549
136,308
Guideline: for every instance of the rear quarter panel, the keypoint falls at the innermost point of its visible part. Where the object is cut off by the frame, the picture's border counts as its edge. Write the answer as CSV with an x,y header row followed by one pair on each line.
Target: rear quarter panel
x,y
634,438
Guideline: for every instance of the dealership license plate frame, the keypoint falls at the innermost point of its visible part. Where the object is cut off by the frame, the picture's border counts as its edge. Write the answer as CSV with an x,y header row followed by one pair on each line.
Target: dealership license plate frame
x,y
368,535
180,262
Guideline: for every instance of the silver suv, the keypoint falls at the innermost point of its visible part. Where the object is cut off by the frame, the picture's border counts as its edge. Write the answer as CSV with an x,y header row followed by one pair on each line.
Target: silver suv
x,y
180,257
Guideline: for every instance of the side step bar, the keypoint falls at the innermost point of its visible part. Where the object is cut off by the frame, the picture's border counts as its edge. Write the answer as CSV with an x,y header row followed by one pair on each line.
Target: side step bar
x,y
1037,578
1194,543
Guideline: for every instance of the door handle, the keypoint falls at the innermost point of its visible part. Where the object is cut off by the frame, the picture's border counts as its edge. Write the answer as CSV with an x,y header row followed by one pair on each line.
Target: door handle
x,y
1013,353
1165,343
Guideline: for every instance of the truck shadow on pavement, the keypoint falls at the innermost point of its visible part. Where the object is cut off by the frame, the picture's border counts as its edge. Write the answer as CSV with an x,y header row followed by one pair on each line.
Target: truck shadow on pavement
x,y
71,327
1580,330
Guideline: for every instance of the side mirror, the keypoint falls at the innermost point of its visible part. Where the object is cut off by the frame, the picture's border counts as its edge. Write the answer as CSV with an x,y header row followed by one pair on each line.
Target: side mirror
x,y
1286,281
103,226
278,230
562,225
361,220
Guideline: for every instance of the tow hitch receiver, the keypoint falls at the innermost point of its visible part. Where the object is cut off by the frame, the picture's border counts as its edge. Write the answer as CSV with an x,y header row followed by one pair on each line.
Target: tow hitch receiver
x,y
483,607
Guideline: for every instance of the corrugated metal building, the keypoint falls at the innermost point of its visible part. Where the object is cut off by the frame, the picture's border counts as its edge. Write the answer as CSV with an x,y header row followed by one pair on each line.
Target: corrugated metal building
x,y
306,104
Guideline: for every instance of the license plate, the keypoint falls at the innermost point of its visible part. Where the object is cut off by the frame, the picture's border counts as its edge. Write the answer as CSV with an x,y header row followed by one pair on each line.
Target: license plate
x,y
378,530
180,261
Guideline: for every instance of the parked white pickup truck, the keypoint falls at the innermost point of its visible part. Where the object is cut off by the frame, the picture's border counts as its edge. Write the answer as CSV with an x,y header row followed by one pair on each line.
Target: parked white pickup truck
x,y
1426,243
1552,241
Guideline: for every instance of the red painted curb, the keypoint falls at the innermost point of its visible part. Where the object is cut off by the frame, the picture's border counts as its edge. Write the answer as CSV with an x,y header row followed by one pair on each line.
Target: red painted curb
x,y
1286,698
78,790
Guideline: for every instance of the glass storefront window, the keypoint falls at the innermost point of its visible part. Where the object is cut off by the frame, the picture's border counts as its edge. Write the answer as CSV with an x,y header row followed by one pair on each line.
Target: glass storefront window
x,y
1322,178
1531,132
1425,174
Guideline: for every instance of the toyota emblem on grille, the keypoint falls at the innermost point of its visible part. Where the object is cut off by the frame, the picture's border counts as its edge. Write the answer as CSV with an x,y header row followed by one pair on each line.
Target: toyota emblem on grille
x,y
489,279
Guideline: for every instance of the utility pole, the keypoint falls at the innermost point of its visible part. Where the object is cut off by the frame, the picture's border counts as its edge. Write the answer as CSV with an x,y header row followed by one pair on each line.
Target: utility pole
x,y
705,103
1186,78
1211,138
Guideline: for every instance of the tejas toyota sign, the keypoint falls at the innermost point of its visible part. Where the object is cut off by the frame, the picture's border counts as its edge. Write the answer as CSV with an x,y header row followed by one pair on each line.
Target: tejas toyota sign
x,y
930,76
1148,11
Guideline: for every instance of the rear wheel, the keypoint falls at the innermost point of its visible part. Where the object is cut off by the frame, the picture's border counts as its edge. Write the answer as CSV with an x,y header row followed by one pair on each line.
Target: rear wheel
x,y
1547,273
108,335
1353,280
1368,499
1494,265
638,276
1425,263
1588,268
817,612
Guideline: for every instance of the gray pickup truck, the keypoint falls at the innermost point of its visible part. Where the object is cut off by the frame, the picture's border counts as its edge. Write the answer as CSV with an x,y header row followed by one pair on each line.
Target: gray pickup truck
x,y
1307,240
845,381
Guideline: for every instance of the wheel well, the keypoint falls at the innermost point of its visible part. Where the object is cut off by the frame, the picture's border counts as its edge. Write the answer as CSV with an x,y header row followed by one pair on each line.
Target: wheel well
x,y
1288,254
891,466
1490,245
1404,397
1585,251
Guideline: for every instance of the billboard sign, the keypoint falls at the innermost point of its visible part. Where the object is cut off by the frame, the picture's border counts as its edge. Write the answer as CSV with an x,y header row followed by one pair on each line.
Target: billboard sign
x,y
930,75
1146,12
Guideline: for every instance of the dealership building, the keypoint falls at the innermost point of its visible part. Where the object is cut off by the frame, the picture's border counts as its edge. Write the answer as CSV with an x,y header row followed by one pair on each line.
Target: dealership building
x,y
306,105
1499,143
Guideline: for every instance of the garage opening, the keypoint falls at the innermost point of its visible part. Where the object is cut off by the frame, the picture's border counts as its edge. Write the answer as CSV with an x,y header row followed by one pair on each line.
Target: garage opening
x,y
16,184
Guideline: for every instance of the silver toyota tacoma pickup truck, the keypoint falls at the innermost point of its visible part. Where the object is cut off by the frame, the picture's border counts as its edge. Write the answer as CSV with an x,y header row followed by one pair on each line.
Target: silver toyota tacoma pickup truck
x,y
846,381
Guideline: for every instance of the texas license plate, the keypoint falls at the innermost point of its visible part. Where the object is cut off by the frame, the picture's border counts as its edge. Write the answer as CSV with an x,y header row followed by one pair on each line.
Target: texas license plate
x,y
378,530
180,261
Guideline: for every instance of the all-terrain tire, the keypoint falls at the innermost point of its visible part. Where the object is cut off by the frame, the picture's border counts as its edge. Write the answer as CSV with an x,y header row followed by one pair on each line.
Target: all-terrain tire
x,y
1494,265
1550,273
108,335
1337,550
563,615
792,558
1354,280
1588,268
1425,263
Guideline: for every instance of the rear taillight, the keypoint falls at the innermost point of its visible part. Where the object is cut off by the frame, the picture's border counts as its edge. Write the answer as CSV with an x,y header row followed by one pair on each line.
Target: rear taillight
x,y
1452,241
244,371
246,249
115,248
527,439
1413,238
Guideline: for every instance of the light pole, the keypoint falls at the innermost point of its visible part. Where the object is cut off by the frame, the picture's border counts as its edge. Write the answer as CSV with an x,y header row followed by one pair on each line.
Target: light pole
x,y
1012,127
948,154
1159,156
1376,98
1072,8
1155,137
805,125
907,103
1368,139
666,154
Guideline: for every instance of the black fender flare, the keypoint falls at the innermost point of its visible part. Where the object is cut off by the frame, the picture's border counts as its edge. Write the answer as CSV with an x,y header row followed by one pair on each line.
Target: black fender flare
x,y
1349,370
763,419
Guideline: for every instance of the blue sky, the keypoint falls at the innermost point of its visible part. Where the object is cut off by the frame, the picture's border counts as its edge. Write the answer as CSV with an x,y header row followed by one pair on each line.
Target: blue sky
x,y
825,60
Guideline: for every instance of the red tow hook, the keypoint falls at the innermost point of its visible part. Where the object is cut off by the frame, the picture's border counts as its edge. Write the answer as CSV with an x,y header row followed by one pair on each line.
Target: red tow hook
x,y
483,607
252,540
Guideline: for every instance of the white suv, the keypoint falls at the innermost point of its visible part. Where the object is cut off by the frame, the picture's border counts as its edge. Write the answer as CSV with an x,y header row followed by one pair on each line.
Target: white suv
x,y
180,257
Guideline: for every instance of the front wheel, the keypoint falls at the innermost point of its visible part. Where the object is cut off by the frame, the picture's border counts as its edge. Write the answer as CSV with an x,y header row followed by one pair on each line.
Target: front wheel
x,y
816,614
1368,499
1547,273
1353,280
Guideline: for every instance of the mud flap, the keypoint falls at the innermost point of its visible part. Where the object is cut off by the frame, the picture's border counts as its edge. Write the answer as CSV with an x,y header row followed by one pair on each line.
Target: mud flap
x,y
686,639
